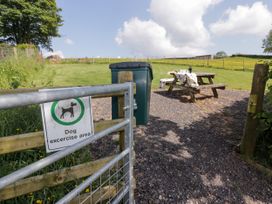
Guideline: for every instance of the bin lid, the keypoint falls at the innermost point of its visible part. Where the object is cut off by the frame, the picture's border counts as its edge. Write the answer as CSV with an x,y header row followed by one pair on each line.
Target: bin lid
x,y
132,65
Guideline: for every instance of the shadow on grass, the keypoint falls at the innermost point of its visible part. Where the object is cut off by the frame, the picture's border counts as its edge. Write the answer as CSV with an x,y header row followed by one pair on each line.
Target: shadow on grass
x,y
197,164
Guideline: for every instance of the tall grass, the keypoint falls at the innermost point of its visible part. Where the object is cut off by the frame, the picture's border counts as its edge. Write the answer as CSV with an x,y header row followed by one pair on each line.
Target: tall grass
x,y
22,71
17,72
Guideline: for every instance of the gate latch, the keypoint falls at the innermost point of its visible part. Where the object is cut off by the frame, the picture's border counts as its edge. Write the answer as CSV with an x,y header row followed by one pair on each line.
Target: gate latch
x,y
134,105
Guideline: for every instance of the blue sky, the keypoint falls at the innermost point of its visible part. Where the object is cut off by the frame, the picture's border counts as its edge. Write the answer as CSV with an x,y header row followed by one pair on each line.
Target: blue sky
x,y
160,28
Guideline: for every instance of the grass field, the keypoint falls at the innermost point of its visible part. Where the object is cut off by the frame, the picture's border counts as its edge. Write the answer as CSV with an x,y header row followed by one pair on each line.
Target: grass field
x,y
93,74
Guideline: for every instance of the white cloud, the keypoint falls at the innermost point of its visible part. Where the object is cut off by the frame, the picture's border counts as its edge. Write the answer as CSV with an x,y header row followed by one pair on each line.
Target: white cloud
x,y
68,41
183,20
176,28
253,20
148,38
57,52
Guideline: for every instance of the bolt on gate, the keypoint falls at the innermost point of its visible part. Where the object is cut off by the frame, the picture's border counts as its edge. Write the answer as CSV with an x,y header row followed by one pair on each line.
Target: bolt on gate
x,y
110,180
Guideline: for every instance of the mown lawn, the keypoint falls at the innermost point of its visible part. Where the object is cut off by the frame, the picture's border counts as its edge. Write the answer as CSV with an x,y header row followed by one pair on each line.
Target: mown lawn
x,y
93,74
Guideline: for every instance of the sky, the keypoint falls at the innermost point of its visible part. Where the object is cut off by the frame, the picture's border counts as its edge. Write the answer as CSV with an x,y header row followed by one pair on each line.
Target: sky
x,y
161,28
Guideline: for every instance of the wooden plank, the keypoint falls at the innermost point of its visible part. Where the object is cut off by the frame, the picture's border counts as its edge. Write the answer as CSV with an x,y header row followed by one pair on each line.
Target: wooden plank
x,y
198,74
36,139
255,106
21,142
206,75
210,86
206,86
123,76
106,193
54,178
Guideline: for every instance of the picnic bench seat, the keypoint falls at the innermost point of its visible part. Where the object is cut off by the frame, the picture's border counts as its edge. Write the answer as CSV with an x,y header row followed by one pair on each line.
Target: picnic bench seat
x,y
194,90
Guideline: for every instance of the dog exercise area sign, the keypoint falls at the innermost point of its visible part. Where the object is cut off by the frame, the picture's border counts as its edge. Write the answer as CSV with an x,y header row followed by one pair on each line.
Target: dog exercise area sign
x,y
67,122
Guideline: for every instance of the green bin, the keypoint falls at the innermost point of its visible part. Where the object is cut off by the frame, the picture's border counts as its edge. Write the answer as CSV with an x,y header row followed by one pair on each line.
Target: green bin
x,y
142,76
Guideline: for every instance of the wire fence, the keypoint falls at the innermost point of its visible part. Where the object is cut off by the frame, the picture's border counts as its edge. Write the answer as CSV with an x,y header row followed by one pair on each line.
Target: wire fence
x,y
15,52
231,63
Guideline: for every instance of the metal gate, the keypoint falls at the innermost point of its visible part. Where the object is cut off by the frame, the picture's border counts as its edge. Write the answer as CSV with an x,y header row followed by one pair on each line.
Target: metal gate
x,y
116,176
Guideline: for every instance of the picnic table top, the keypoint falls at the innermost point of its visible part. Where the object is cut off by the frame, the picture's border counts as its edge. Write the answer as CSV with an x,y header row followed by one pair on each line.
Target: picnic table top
x,y
198,74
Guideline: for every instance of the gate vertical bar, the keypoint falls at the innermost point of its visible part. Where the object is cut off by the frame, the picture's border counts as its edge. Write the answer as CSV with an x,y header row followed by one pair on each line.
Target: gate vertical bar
x,y
129,140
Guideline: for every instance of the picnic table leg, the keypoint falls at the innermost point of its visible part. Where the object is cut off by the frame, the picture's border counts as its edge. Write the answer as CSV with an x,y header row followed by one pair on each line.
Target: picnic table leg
x,y
215,93
210,80
192,95
193,99
200,80
172,86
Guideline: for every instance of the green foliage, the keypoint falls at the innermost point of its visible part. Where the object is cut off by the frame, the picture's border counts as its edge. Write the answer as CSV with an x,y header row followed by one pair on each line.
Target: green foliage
x,y
267,43
29,21
264,142
220,54
25,120
26,46
5,45
24,71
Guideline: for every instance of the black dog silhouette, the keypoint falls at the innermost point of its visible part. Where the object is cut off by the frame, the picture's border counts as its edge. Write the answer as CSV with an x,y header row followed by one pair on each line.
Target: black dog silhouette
x,y
69,110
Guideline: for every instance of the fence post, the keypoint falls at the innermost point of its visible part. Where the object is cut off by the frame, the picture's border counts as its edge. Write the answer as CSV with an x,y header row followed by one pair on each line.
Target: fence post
x,y
255,106
123,76
15,52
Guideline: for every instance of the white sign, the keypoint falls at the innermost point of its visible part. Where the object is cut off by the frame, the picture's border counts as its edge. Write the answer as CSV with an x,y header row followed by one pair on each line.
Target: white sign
x,y
66,122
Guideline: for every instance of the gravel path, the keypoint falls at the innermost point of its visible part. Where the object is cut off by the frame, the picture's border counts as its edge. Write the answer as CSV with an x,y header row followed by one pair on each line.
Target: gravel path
x,y
186,152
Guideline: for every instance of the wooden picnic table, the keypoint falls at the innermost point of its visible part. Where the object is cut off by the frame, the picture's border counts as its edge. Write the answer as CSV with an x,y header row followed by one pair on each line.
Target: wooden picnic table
x,y
202,84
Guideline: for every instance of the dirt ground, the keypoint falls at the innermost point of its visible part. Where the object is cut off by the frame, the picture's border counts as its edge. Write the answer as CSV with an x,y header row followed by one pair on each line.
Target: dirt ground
x,y
186,152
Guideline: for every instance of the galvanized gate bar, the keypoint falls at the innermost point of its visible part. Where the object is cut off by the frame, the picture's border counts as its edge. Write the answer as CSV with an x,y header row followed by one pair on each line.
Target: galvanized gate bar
x,y
38,165
121,195
18,100
68,197
129,103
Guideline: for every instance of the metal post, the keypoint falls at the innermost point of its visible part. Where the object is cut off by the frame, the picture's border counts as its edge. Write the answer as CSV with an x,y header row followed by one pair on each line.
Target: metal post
x,y
129,108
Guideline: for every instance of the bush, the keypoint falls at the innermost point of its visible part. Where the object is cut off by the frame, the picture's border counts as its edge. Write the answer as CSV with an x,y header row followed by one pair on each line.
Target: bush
x,y
264,142
23,71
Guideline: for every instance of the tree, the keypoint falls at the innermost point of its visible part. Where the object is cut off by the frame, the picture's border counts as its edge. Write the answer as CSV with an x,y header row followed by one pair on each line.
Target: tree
x,y
221,54
267,43
29,21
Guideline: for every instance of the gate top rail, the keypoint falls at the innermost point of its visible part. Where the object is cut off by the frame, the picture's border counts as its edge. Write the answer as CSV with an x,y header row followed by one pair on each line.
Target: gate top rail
x,y
31,98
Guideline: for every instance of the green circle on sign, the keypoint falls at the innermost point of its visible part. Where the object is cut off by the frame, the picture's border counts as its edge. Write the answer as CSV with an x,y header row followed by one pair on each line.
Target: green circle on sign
x,y
54,116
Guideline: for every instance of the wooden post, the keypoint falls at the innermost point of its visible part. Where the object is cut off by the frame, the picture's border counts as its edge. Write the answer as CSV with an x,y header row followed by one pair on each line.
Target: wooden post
x,y
255,106
123,76
15,53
